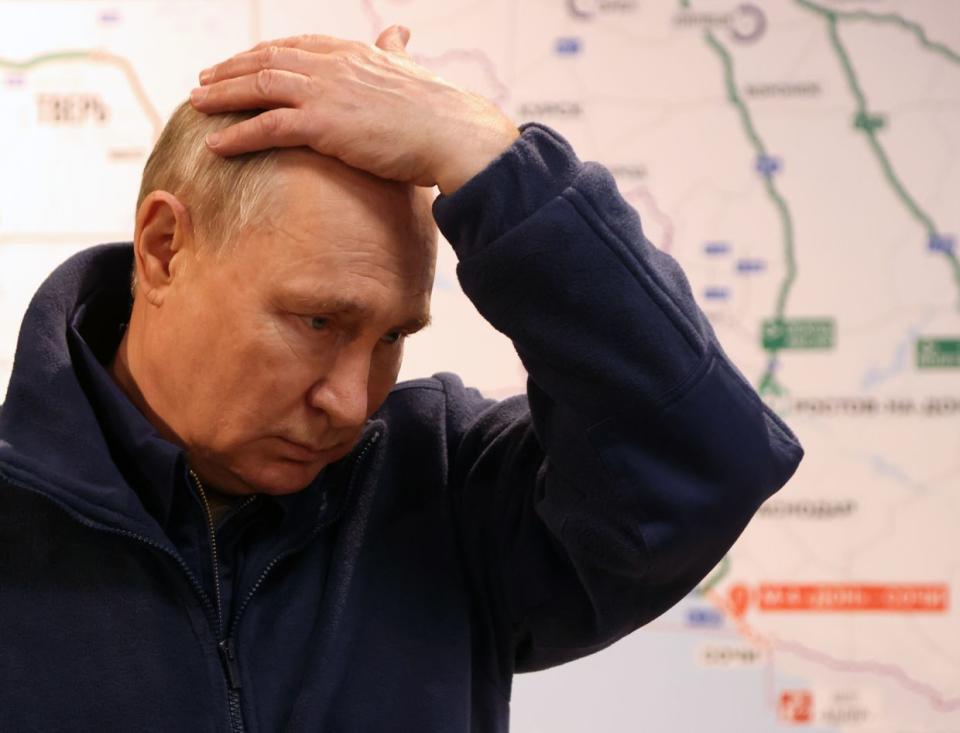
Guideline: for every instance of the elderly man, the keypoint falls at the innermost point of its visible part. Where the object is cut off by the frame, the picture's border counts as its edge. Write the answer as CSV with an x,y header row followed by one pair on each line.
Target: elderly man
x,y
218,512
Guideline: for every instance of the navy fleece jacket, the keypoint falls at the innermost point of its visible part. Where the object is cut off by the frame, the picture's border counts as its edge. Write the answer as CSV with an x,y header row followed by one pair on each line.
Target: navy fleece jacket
x,y
462,541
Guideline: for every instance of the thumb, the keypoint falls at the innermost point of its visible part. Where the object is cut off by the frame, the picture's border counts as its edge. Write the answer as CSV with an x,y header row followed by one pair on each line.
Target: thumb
x,y
394,38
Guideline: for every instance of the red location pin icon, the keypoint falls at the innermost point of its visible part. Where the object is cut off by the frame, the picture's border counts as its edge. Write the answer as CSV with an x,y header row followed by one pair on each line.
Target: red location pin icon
x,y
739,599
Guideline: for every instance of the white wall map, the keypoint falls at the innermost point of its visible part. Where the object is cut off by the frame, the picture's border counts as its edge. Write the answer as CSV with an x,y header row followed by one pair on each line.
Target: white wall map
x,y
800,158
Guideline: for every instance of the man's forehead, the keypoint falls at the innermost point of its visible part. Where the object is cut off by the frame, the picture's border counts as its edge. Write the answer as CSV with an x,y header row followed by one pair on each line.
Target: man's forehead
x,y
319,202
297,168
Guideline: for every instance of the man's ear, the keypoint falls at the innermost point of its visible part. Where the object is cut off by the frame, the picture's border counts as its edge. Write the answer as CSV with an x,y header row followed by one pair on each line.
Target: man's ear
x,y
163,230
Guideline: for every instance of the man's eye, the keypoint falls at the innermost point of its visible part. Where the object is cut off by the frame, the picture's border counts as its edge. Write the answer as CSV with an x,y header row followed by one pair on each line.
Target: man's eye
x,y
318,323
393,337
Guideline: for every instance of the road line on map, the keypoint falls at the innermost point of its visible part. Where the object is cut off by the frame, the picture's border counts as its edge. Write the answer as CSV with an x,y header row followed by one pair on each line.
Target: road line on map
x,y
768,381
503,92
657,214
870,131
96,56
912,26
710,582
939,701
374,17
474,55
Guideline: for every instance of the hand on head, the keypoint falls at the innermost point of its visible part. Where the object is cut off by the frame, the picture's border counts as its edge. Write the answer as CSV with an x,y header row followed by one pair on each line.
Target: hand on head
x,y
372,107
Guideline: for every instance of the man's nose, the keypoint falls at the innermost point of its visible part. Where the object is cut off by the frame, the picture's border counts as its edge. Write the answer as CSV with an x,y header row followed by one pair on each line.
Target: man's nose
x,y
342,392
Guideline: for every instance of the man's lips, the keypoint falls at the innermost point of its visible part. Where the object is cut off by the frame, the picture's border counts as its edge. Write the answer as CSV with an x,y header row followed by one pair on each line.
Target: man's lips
x,y
304,452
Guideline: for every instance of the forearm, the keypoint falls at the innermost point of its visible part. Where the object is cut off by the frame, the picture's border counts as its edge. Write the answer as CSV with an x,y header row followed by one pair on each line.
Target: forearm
x,y
655,452
552,256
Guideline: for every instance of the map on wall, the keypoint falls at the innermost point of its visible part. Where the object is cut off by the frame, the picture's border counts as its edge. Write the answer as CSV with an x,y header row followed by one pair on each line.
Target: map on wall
x,y
799,158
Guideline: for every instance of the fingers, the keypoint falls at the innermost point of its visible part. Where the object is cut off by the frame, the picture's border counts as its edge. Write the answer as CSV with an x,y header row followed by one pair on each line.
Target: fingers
x,y
314,42
276,128
250,62
301,45
394,38
265,89
278,76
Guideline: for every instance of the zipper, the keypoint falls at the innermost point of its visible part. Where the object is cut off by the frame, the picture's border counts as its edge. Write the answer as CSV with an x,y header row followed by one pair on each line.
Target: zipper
x,y
225,646
213,545
213,551
371,441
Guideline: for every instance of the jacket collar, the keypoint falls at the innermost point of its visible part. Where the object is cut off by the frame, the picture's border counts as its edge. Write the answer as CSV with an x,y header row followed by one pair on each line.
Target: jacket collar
x,y
155,468
50,438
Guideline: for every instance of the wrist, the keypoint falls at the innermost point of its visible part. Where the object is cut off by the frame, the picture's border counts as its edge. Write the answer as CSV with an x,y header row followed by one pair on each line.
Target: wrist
x,y
474,151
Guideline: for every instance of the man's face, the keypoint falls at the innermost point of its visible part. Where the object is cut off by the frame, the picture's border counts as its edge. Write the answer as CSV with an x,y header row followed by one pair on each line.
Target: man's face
x,y
275,354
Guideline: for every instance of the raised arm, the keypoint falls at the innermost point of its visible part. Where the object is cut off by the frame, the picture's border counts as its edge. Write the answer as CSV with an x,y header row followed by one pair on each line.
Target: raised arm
x,y
643,453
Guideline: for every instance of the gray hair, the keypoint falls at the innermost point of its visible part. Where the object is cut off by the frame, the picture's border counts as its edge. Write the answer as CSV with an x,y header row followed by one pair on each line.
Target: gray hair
x,y
223,195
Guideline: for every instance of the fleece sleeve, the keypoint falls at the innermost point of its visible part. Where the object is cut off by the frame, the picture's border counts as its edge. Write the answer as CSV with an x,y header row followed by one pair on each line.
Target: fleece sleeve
x,y
640,452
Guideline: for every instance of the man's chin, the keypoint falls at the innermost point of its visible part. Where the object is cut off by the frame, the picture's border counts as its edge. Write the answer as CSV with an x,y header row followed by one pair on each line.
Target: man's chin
x,y
275,467
278,477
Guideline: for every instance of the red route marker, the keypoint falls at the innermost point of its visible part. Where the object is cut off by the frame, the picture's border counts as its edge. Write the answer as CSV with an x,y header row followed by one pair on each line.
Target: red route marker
x,y
819,597
897,597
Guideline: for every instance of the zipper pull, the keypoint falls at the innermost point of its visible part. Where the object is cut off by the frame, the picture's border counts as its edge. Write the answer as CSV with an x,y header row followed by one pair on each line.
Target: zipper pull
x,y
228,655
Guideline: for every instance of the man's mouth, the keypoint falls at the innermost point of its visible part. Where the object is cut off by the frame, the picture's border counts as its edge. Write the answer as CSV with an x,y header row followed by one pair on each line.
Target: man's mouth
x,y
298,451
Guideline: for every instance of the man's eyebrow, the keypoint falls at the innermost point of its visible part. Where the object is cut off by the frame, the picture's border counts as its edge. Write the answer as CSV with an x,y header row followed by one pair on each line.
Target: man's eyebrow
x,y
417,324
326,304
349,307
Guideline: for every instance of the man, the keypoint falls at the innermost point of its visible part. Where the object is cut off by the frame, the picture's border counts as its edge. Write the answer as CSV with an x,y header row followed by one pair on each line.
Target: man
x,y
223,515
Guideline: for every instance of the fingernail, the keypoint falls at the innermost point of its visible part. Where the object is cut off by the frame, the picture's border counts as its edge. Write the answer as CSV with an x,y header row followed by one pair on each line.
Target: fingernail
x,y
198,94
213,139
206,75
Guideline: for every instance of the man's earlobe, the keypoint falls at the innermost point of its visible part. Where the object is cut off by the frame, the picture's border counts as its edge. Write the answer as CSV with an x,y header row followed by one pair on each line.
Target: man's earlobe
x,y
163,228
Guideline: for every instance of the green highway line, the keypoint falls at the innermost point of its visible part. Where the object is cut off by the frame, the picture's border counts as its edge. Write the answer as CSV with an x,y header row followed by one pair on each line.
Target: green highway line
x,y
778,200
44,59
99,57
710,582
768,382
870,131
915,28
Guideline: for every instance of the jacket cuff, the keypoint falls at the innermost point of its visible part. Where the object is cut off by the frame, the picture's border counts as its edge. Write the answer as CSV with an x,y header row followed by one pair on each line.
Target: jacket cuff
x,y
537,167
